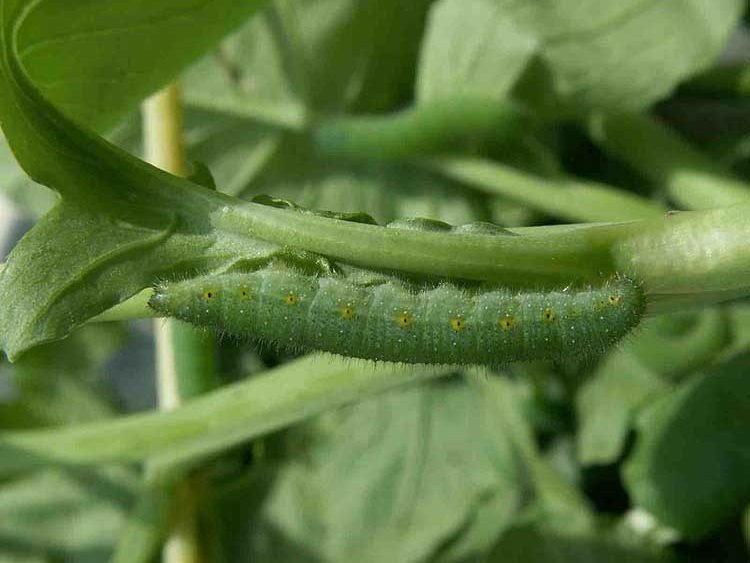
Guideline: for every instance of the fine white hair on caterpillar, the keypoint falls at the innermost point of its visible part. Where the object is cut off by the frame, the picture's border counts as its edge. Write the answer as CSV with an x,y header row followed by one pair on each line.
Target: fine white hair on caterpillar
x,y
392,321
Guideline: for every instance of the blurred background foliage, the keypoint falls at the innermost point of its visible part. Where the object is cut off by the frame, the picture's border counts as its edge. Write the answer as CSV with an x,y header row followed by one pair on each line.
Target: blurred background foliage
x,y
644,456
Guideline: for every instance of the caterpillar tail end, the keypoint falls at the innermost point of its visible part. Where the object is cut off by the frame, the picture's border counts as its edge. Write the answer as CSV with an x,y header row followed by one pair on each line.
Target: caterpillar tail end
x,y
158,301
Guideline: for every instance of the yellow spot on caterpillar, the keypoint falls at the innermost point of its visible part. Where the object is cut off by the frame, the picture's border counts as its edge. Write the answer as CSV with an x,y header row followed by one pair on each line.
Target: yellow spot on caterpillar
x,y
209,293
548,316
507,323
404,321
614,300
244,293
347,312
290,299
457,324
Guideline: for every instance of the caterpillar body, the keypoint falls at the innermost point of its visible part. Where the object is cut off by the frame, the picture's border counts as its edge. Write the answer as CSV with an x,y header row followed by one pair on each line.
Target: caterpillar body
x,y
390,321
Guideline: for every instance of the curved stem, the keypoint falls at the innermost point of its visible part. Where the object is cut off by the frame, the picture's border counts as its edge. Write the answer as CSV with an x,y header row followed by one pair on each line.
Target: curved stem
x,y
420,130
568,198
691,179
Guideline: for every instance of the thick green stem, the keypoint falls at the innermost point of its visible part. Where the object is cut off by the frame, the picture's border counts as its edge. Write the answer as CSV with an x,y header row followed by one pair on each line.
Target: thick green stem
x,y
697,253
420,130
692,180
684,259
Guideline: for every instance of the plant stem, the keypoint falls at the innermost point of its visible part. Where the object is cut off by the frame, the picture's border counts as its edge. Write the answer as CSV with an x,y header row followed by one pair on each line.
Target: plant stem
x,y
692,179
684,259
285,115
569,199
184,357
420,130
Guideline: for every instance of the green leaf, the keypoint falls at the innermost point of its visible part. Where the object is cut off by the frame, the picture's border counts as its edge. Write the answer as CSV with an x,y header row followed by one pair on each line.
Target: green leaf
x,y
17,187
108,239
63,514
247,77
472,49
353,52
64,297
396,477
388,191
607,403
691,461
529,545
59,383
302,57
235,150
558,505
663,348
68,49
146,526
214,422
585,54
74,264
739,326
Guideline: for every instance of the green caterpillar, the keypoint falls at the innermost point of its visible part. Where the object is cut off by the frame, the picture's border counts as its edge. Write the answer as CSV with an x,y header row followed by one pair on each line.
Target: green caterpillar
x,y
390,321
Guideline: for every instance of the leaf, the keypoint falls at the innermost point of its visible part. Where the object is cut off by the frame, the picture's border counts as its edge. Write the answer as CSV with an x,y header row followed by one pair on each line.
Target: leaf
x,y
108,239
243,534
234,150
739,324
395,478
59,383
246,77
607,403
558,505
637,372
387,190
64,296
577,54
63,514
17,187
214,422
472,49
691,462
68,49
303,55
73,265
529,545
